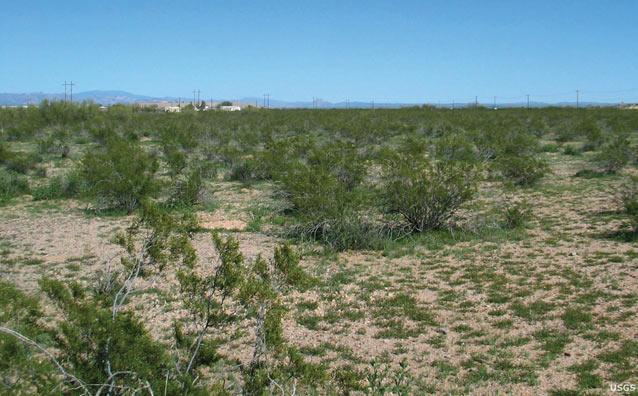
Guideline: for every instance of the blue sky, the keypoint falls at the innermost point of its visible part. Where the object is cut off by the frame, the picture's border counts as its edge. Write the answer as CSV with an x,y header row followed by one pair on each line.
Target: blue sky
x,y
409,51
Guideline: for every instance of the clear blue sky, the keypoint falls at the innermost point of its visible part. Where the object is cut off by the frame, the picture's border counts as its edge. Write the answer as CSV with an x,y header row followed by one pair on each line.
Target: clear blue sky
x,y
408,51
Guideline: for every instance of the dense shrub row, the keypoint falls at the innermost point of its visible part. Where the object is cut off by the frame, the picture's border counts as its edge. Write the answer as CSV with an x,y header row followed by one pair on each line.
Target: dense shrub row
x,y
349,176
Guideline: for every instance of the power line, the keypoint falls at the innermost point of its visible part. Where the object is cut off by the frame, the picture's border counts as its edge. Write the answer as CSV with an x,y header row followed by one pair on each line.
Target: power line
x,y
71,84
577,98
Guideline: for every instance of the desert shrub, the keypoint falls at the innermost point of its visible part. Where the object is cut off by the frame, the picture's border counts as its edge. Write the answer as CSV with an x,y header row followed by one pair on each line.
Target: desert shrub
x,y
274,161
70,185
22,162
593,134
523,170
426,194
88,328
12,184
55,143
351,231
328,197
537,127
101,133
174,157
629,200
17,161
120,174
188,189
501,142
615,155
328,209
455,147
571,150
589,174
550,148
246,171
21,371
515,213
567,131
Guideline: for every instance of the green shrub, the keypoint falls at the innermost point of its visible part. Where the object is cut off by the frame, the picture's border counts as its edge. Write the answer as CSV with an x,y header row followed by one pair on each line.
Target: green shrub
x,y
523,170
426,194
22,372
69,186
17,161
120,174
351,231
12,184
593,134
55,144
550,148
22,163
187,190
629,200
571,150
88,328
328,197
515,213
328,209
615,156
455,147
589,174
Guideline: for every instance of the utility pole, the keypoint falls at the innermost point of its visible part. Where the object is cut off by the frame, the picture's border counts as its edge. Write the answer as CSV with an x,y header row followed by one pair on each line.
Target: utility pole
x,y
198,97
528,101
577,98
65,84
179,102
476,102
268,100
194,97
71,84
313,102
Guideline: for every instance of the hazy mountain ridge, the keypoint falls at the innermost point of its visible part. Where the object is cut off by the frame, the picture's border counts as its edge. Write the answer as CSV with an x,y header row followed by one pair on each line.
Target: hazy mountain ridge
x,y
109,97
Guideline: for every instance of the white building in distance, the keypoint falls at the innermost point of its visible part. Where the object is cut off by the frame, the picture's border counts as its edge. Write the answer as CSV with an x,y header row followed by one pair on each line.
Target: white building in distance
x,y
229,108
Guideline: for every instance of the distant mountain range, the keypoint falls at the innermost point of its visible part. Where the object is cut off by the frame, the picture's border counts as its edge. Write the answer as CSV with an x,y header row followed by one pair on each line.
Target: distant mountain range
x,y
101,97
111,97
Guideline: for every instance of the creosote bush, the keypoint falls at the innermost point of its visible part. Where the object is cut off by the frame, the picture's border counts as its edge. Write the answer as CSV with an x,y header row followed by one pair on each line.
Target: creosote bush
x,y
102,347
329,198
616,155
12,184
629,200
120,174
515,213
70,185
426,194
523,170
